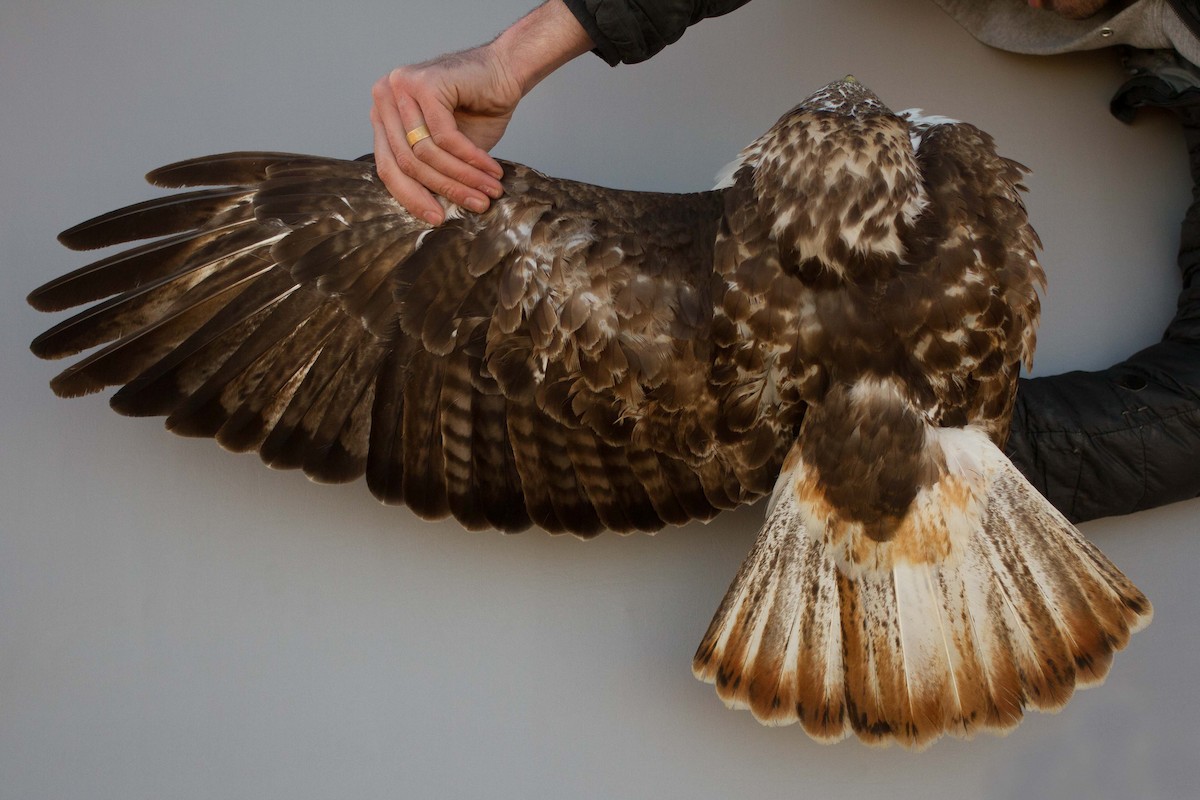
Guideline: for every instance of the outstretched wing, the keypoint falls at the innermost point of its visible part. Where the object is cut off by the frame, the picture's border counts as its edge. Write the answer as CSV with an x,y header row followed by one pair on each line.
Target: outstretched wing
x,y
526,365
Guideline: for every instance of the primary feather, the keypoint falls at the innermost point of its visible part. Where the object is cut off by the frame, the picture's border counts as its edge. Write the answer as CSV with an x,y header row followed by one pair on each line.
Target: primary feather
x,y
843,320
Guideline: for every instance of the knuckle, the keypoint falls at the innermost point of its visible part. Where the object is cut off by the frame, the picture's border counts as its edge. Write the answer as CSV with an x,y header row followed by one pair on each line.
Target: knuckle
x,y
406,164
420,153
386,170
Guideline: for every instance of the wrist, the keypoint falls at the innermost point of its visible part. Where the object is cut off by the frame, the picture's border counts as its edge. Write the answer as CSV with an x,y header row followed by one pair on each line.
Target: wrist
x,y
539,43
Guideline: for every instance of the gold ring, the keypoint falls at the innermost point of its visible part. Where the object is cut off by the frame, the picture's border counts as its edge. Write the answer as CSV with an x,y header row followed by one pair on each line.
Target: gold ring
x,y
417,134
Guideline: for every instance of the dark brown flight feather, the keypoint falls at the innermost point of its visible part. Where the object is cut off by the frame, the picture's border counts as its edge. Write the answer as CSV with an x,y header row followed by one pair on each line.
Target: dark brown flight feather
x,y
276,308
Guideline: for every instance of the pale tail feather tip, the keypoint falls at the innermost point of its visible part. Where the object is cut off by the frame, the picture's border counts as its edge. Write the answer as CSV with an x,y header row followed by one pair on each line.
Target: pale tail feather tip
x,y
1020,613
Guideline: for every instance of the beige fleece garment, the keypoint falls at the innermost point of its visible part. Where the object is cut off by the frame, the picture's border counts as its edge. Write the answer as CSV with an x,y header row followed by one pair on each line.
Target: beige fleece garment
x,y
1012,25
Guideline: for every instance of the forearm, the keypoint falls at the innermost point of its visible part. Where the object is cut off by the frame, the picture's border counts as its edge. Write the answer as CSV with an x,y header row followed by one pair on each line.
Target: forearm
x,y
539,43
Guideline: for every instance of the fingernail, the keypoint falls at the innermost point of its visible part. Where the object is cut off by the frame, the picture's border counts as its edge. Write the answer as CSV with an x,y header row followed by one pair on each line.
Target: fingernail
x,y
476,205
433,218
494,192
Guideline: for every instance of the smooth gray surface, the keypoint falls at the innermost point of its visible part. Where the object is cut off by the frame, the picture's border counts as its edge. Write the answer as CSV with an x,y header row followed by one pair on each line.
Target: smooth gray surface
x,y
176,621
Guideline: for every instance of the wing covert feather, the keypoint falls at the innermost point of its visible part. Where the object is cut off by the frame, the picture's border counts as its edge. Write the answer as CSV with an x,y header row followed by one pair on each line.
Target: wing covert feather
x,y
496,368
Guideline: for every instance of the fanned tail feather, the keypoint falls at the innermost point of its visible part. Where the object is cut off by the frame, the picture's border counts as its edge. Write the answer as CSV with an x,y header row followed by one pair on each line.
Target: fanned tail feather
x,y
986,602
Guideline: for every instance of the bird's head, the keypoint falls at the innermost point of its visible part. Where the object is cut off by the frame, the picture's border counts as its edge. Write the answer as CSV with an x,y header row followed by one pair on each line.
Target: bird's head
x,y
838,176
847,97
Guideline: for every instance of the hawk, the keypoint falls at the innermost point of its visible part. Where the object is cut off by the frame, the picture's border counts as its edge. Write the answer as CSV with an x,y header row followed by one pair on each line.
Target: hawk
x,y
839,325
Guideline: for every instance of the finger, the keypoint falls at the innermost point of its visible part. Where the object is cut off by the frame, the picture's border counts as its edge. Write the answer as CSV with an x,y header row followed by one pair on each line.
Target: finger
x,y
404,116
457,144
419,107
447,174
445,163
408,192
407,171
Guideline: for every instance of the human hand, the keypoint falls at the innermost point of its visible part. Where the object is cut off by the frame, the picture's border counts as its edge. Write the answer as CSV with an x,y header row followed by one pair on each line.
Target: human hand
x,y
465,100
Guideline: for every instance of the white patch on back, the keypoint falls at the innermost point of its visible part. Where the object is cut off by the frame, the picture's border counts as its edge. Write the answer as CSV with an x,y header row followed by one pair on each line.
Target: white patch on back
x,y
919,122
725,175
917,116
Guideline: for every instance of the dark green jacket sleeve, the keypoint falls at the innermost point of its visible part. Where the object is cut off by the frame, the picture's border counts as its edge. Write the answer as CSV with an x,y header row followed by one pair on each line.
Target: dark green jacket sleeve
x,y
628,31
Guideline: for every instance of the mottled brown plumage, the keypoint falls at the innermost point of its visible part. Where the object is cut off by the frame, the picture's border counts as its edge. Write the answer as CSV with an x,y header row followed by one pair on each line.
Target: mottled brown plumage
x,y
844,321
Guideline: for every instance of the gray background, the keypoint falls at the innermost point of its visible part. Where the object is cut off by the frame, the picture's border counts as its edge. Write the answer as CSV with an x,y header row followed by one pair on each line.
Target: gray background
x,y
176,621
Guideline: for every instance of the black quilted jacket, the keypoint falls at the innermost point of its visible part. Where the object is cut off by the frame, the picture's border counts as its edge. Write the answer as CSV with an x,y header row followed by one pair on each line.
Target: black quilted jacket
x,y
1128,437
628,31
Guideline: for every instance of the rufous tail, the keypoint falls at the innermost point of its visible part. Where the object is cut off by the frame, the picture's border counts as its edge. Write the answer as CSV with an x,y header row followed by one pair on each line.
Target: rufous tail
x,y
986,601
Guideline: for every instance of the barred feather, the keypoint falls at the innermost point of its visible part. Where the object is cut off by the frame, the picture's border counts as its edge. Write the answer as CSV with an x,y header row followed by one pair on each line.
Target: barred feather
x,y
826,627
297,311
